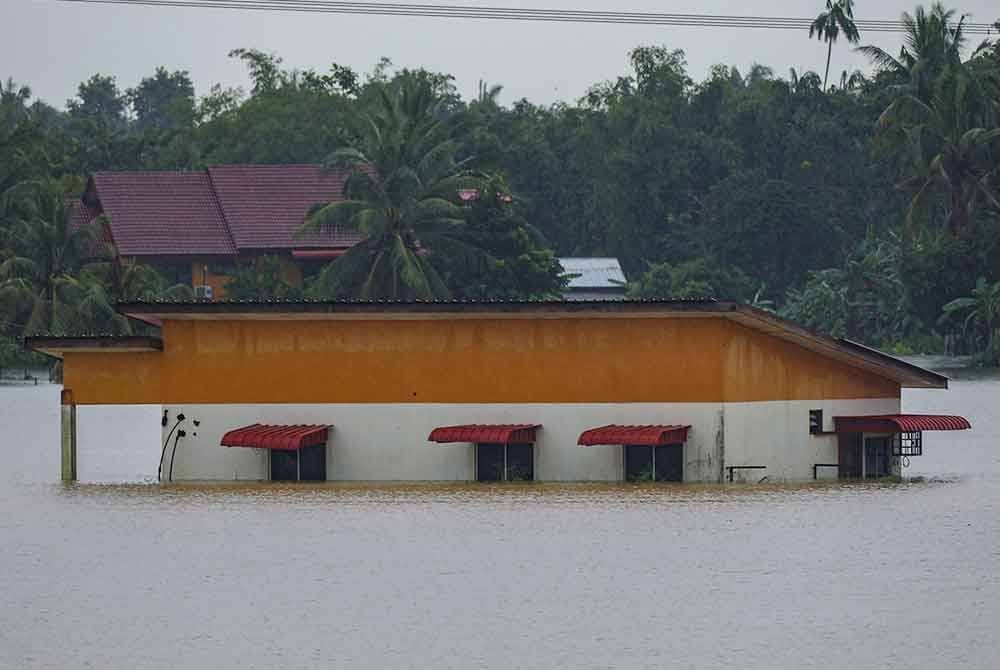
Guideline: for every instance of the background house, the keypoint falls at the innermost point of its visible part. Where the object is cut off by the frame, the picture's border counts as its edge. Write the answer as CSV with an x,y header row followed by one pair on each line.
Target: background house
x,y
594,279
195,226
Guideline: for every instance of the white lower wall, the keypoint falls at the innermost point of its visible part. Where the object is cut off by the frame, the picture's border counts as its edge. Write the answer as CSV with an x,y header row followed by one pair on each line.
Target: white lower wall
x,y
776,435
376,442
117,443
388,442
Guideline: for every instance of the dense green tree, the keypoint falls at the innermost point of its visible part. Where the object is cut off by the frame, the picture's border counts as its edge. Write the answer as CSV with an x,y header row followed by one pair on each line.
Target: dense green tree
x,y
261,278
164,101
698,278
290,117
515,261
865,299
98,99
981,309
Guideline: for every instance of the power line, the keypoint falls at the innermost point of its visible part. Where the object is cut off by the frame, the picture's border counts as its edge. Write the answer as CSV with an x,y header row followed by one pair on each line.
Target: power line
x,y
522,14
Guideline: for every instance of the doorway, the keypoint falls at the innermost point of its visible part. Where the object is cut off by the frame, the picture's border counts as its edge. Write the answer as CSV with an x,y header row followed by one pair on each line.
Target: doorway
x,y
304,465
662,463
849,455
505,462
878,458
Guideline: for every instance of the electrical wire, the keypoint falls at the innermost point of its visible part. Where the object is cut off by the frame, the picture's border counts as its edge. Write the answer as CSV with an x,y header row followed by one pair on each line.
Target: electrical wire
x,y
173,454
163,451
522,14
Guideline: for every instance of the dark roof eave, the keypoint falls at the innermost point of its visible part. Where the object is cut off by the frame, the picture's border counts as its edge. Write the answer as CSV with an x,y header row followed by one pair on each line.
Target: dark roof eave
x,y
934,379
255,307
906,374
56,345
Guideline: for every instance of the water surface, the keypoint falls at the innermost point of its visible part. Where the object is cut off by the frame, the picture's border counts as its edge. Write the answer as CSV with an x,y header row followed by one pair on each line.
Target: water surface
x,y
521,576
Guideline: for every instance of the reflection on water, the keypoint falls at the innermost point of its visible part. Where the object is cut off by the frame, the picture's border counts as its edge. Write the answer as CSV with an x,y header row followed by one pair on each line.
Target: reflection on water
x,y
481,576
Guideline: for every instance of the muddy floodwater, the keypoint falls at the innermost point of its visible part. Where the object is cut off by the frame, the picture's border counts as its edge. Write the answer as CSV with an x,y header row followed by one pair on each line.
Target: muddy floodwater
x,y
519,576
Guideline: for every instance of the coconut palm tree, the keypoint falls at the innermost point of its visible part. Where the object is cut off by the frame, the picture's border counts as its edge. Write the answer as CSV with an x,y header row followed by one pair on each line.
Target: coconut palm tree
x,y
953,141
933,41
40,276
836,19
401,195
982,307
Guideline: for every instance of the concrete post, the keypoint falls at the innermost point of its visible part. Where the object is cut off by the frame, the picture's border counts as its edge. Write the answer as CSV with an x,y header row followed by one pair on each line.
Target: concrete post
x,y
720,445
68,420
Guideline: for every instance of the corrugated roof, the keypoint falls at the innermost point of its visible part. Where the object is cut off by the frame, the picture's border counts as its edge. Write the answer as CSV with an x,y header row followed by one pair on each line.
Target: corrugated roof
x,y
519,433
265,205
163,213
594,273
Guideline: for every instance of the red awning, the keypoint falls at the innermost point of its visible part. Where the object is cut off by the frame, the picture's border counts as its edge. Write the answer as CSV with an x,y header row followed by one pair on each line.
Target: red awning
x,y
520,433
644,435
283,438
899,423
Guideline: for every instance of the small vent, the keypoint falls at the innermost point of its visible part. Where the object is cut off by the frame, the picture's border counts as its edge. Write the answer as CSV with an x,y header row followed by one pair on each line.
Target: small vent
x,y
815,421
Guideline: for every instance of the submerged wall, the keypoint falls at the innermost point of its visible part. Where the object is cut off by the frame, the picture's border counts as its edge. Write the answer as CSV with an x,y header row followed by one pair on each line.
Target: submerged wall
x,y
388,442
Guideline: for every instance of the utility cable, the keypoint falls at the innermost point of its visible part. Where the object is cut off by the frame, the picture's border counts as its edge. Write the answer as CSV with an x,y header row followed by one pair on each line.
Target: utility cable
x,y
524,14
173,455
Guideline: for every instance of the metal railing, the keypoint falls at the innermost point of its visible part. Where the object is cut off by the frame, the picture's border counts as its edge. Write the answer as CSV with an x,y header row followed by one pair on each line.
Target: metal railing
x,y
817,466
733,468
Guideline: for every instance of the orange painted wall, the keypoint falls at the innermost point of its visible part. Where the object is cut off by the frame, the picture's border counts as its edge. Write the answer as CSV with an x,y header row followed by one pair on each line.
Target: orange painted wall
x,y
761,367
465,361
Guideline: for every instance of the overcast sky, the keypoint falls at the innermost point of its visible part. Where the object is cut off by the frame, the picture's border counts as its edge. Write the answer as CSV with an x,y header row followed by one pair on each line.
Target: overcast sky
x,y
52,45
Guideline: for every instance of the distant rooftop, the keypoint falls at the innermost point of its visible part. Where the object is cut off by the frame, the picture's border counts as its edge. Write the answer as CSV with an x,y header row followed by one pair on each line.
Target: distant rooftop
x,y
221,211
594,273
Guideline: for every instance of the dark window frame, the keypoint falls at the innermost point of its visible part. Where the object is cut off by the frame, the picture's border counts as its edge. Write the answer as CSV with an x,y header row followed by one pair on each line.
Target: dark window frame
x,y
503,465
816,422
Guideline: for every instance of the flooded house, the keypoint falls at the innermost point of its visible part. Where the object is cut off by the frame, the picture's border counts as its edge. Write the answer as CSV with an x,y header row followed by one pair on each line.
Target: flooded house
x,y
688,390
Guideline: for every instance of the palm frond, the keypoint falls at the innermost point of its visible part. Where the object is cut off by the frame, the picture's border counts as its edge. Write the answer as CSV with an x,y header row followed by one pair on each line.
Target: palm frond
x,y
334,214
346,158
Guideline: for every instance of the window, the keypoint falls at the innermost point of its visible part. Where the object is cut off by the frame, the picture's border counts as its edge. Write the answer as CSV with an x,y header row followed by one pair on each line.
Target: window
x,y
907,444
305,465
505,462
815,421
663,463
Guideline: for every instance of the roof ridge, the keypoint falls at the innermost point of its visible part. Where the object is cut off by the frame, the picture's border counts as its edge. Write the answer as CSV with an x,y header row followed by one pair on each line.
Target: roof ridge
x,y
220,210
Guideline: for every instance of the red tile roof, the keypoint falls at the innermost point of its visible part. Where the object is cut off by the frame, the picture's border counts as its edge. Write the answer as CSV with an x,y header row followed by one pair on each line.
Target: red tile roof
x,y
220,211
163,213
265,205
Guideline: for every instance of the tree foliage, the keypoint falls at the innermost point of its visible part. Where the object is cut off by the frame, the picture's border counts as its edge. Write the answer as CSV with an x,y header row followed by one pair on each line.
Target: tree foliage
x,y
860,205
